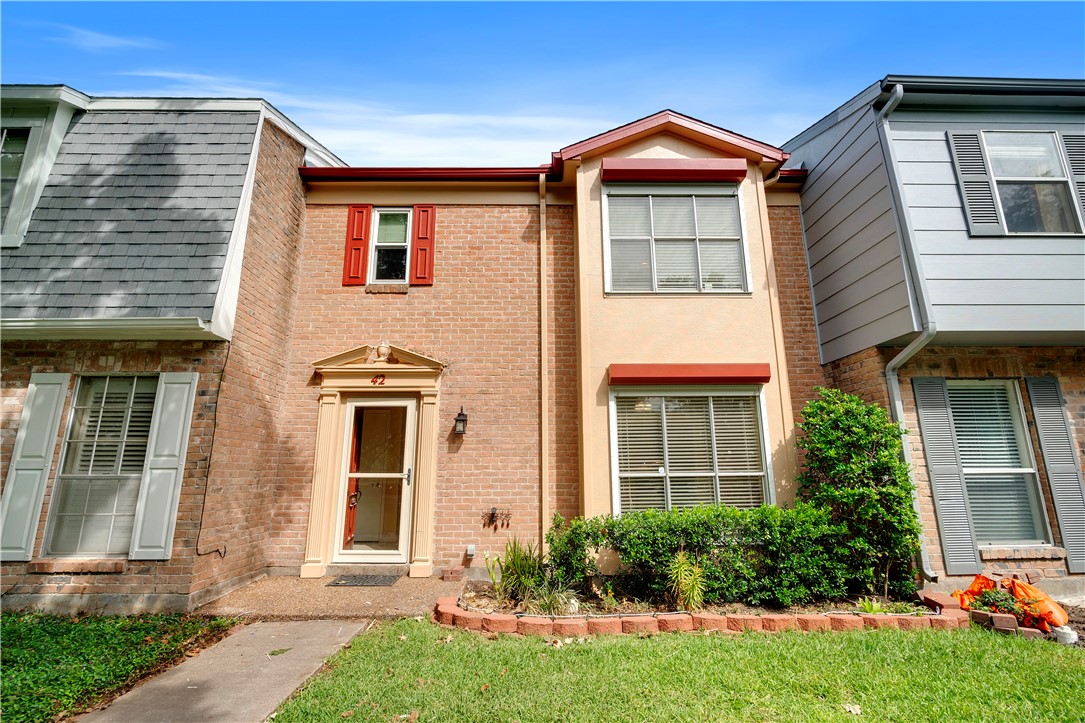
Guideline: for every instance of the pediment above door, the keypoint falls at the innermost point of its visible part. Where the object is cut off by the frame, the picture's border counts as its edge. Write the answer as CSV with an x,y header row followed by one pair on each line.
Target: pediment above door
x,y
378,367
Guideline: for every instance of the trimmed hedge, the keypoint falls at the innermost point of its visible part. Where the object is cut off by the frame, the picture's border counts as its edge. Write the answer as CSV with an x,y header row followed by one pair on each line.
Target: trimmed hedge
x,y
762,556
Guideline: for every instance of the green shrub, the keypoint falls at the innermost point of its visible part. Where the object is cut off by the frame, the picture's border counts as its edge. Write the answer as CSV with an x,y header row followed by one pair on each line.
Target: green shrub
x,y
854,469
569,547
766,555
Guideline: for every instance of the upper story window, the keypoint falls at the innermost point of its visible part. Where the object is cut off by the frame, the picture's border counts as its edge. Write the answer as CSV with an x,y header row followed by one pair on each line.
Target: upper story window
x,y
20,174
389,245
1020,182
13,143
1033,186
674,240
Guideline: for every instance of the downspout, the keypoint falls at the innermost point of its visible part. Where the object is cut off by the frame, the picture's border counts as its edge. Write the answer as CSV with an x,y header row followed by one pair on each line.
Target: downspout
x,y
929,328
544,373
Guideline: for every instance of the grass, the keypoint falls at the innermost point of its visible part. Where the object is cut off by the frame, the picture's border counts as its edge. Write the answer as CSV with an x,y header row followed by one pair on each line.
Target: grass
x,y
60,664
410,668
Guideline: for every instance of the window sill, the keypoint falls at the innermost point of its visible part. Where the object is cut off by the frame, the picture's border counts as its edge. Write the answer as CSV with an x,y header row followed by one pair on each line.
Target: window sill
x,y
387,288
672,294
54,566
1022,552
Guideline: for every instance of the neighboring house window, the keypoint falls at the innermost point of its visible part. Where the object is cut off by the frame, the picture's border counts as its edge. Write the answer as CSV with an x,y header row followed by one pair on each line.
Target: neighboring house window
x,y
12,152
1020,182
94,502
674,241
121,469
389,245
982,472
1033,187
997,462
683,449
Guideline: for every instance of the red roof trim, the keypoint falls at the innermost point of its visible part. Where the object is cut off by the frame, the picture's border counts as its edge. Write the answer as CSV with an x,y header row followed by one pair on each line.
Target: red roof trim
x,y
629,374
663,118
315,173
674,169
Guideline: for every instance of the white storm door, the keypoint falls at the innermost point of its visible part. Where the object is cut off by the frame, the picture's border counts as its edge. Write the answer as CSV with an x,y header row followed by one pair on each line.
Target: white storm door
x,y
376,489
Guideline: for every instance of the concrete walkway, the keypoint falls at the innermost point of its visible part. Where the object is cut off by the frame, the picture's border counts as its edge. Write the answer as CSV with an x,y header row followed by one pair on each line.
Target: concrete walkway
x,y
242,678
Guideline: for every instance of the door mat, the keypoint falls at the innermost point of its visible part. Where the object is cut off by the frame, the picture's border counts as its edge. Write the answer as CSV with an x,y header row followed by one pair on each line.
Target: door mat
x,y
363,580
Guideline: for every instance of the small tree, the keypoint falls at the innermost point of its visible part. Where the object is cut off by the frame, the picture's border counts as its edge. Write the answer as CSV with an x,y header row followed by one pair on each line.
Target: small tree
x,y
854,467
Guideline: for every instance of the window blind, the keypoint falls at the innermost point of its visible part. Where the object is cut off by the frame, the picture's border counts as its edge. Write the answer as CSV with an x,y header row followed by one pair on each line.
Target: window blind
x,y
681,451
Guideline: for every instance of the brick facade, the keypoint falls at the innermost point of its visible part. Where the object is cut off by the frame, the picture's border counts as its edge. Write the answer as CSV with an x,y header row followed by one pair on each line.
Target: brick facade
x,y
804,369
142,584
245,463
480,318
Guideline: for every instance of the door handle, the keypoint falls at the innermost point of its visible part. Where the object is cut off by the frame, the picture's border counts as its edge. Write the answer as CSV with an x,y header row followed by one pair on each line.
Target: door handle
x,y
407,478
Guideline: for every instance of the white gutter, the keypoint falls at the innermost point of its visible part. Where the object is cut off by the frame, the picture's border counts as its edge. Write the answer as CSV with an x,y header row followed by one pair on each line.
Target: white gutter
x,y
144,327
919,287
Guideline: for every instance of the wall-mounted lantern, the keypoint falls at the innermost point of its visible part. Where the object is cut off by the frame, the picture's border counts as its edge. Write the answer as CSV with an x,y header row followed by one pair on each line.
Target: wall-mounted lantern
x,y
461,423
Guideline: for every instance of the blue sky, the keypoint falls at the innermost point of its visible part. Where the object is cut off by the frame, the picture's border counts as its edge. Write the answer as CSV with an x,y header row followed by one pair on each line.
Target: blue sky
x,y
492,84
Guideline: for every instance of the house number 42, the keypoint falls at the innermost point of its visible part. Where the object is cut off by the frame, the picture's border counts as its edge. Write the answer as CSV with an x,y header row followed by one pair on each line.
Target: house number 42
x,y
377,380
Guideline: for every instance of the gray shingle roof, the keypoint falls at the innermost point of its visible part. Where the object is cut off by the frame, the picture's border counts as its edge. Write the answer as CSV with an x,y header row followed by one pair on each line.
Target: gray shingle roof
x,y
135,218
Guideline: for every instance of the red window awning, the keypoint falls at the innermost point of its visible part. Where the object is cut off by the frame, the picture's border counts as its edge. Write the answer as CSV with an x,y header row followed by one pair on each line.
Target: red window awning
x,y
675,170
646,374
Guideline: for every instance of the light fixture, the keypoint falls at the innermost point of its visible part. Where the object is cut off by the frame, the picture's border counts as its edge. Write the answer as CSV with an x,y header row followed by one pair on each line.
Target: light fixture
x,y
461,423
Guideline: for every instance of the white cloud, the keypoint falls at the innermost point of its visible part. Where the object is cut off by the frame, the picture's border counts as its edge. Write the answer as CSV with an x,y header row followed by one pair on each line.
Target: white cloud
x,y
376,134
97,42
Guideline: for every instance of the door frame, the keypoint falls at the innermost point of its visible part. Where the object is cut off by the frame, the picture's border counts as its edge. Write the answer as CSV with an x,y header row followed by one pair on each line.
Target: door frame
x,y
402,551
372,372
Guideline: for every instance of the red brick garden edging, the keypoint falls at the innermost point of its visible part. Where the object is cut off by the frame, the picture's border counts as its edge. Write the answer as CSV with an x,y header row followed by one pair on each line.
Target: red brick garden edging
x,y
948,616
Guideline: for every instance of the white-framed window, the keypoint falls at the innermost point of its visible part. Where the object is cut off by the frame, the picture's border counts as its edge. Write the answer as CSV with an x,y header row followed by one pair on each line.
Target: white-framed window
x,y
682,447
1034,188
20,143
93,507
390,250
680,239
997,462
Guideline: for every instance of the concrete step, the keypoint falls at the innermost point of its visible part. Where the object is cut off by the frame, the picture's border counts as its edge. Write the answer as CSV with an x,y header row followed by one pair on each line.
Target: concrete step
x,y
368,569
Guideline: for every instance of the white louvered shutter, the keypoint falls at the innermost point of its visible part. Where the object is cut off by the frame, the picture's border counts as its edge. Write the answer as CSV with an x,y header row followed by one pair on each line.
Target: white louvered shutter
x,y
1001,502
976,184
163,472
1062,465
31,458
946,477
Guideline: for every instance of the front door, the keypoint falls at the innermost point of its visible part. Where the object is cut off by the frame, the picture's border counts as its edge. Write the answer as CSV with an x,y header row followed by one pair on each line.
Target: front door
x,y
376,485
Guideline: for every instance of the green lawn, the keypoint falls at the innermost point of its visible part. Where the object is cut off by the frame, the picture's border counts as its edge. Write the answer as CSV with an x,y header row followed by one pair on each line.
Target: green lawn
x,y
55,664
444,675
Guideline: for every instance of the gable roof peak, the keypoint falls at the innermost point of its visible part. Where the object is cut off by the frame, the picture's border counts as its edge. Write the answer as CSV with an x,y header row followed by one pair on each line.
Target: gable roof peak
x,y
672,121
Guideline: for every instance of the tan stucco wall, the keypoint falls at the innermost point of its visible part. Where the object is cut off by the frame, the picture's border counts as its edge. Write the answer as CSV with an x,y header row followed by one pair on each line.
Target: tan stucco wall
x,y
661,328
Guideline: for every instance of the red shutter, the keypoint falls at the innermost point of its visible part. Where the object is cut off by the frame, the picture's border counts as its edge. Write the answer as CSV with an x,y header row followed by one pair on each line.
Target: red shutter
x,y
422,245
357,251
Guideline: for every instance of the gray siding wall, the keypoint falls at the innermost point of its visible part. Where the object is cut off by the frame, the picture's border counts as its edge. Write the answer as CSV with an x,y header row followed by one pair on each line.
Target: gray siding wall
x,y
1011,283
861,297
